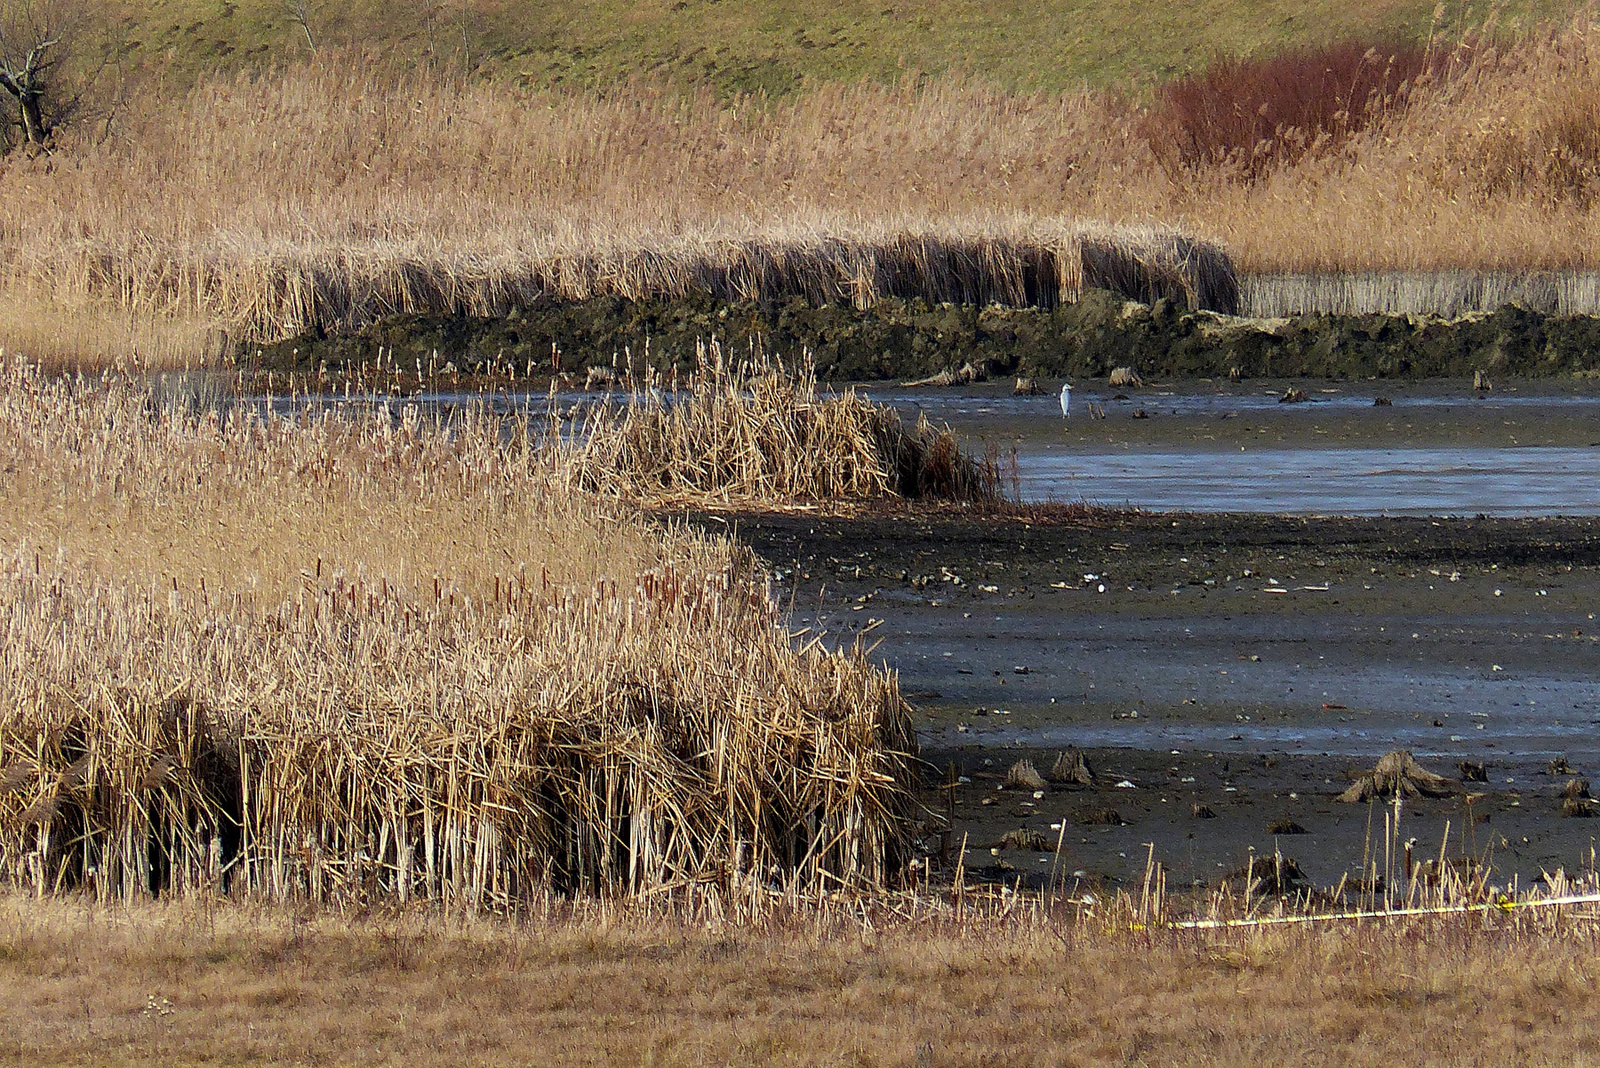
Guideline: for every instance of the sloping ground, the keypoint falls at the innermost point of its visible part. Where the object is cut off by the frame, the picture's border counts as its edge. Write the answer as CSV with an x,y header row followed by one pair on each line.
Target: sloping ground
x,y
758,45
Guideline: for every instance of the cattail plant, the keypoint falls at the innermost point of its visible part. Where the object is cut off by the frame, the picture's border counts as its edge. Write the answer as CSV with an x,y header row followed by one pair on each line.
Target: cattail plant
x,y
348,656
760,431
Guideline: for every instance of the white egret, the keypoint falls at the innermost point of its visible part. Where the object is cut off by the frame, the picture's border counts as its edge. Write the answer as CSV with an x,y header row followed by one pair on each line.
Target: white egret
x,y
1066,398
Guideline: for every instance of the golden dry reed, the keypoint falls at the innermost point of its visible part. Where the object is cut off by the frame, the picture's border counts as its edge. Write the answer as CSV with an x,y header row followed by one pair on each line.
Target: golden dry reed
x,y
346,657
758,431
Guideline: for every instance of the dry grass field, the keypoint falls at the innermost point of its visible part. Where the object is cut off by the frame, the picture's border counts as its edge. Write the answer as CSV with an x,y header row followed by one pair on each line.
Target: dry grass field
x,y
196,983
346,186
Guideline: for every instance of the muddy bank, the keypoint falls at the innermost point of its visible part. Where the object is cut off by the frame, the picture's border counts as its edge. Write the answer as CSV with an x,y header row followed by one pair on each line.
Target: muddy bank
x,y
897,339
1227,675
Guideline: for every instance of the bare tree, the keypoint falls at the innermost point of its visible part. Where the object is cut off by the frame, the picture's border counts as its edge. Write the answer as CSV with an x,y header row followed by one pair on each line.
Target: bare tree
x,y
44,66
301,13
431,15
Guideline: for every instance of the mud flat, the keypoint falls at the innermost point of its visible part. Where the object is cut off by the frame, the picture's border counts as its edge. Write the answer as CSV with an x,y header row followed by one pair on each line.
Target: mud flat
x,y
1246,666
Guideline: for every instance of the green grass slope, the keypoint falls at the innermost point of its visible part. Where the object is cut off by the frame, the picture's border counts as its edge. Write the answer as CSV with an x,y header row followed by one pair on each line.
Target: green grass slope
x,y
772,46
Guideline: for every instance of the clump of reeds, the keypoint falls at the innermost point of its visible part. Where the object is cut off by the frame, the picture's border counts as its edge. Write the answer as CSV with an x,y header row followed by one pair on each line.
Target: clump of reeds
x,y
1024,776
1071,766
760,431
260,294
513,689
1445,292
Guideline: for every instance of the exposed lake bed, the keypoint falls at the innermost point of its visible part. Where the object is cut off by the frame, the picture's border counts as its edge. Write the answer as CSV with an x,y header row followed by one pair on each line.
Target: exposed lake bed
x,y
1264,599
1245,665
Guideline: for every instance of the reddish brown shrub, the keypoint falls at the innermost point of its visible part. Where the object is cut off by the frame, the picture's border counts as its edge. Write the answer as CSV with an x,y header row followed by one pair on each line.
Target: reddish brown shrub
x,y
1255,114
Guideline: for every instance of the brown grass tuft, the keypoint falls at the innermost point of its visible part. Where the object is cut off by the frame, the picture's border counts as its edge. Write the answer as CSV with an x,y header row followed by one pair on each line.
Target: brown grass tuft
x,y
1025,838
1397,774
1071,766
1024,776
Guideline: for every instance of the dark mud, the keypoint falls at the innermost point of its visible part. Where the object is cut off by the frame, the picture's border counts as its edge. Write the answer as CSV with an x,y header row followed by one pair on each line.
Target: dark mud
x,y
896,339
1244,666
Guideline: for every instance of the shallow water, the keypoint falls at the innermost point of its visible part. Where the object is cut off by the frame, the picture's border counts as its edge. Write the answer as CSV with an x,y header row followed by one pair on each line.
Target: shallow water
x,y
1533,737
979,408
1326,683
1488,481
1209,449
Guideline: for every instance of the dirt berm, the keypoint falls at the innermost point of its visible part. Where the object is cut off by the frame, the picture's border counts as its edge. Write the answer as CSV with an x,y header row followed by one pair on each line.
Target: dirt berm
x,y
903,339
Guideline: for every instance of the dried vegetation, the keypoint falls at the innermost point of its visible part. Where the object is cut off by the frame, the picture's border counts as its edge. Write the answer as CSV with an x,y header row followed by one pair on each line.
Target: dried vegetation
x,y
200,215
351,657
758,431
1397,774
183,982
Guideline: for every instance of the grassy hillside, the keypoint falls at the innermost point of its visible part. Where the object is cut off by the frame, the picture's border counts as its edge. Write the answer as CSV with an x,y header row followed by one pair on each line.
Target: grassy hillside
x,y
738,45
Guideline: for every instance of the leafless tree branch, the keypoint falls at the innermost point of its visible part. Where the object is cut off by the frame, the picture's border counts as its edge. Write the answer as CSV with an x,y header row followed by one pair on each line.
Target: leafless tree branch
x,y
301,13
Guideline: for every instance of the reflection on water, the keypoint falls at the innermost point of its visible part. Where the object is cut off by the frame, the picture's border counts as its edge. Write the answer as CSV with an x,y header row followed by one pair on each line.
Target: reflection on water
x,y
1182,472
1488,481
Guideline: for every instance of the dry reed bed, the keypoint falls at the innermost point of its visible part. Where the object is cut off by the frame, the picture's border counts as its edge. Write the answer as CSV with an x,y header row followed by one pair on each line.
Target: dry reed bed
x,y
253,294
323,719
758,432
204,219
344,189
1446,293
260,205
